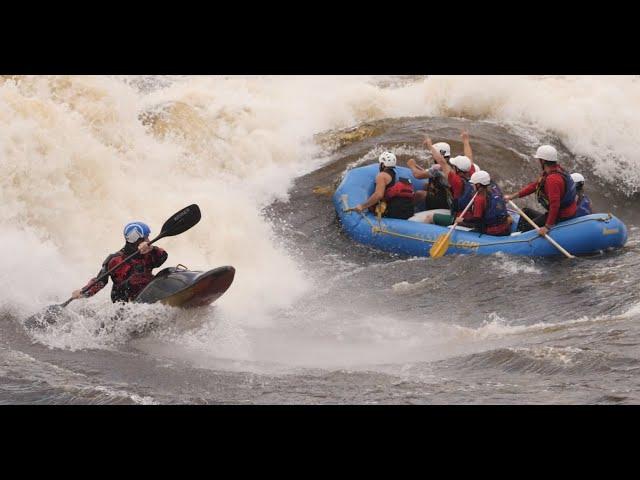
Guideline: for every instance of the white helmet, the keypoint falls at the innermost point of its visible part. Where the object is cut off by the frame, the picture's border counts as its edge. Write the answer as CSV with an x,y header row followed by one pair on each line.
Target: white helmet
x,y
481,177
388,159
576,177
443,148
547,153
461,162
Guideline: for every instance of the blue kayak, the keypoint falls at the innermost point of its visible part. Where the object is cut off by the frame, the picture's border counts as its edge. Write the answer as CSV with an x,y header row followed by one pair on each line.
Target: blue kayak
x,y
580,236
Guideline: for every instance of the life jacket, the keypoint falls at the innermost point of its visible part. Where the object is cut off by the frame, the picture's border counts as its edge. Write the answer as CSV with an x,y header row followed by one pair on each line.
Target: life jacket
x,y
495,212
459,204
398,196
398,187
584,205
131,278
569,189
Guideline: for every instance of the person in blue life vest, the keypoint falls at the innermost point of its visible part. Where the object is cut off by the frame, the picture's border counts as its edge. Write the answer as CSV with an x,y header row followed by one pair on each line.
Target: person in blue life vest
x,y
582,200
489,211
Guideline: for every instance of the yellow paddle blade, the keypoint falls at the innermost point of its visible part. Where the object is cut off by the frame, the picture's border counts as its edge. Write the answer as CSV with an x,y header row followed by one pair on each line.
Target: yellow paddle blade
x,y
440,247
326,190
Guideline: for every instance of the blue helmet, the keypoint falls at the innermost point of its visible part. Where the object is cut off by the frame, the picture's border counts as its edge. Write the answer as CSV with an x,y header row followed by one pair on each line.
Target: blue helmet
x,y
134,231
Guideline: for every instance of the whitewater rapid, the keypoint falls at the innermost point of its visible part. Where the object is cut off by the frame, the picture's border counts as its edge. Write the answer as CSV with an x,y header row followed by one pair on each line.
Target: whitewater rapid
x,y
83,155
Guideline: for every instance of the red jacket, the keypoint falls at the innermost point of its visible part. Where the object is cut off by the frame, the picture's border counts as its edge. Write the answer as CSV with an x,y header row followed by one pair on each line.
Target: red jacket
x,y
554,188
131,278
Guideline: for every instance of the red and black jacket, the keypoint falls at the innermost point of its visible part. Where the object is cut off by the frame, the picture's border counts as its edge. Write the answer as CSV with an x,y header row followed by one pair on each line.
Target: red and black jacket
x,y
131,278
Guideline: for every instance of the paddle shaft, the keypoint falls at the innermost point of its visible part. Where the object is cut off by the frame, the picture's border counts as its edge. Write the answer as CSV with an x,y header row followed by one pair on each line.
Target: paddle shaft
x,y
441,245
551,240
178,223
459,219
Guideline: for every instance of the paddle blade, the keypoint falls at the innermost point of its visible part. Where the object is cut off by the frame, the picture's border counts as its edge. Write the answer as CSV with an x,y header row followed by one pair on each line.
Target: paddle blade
x,y
440,247
48,316
181,221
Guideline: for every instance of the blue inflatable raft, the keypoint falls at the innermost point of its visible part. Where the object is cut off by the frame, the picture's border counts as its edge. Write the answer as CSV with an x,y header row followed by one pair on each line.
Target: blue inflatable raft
x,y
583,235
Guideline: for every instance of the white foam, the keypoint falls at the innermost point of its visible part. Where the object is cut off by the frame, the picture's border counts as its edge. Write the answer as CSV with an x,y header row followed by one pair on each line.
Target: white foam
x,y
77,163
516,265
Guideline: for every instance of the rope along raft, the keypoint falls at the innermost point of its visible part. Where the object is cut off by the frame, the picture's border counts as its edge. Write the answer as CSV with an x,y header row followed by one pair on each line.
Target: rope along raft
x,y
583,235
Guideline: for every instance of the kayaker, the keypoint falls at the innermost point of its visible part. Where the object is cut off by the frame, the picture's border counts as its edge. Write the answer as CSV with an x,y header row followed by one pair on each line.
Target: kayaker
x,y
436,193
555,190
461,191
489,211
396,192
583,202
131,278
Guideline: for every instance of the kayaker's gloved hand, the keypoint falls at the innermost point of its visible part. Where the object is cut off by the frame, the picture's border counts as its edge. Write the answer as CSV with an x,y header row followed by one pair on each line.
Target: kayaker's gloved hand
x,y
144,248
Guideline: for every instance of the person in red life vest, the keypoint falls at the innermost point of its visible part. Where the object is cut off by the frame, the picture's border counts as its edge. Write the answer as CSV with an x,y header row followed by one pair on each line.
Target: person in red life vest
x,y
489,211
555,190
436,193
583,202
131,278
397,192
461,191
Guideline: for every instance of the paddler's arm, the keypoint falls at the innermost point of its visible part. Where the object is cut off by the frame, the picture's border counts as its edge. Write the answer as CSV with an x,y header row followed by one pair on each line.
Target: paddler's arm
x,y
93,287
382,180
159,256
444,166
419,172
467,145
416,170
528,190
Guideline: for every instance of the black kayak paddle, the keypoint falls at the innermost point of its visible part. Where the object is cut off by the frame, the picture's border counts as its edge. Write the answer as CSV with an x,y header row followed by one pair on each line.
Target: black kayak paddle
x,y
178,223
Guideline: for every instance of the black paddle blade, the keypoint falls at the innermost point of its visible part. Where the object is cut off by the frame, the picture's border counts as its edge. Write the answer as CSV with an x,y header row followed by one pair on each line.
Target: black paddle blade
x,y
181,221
